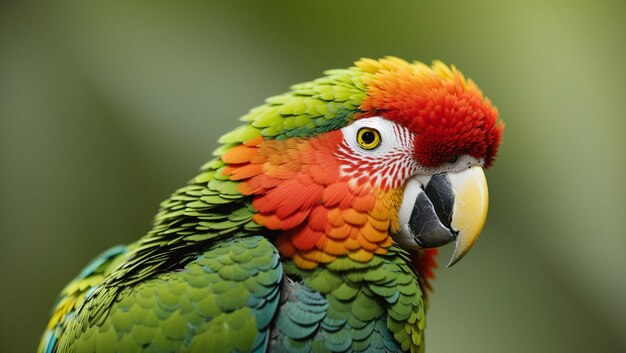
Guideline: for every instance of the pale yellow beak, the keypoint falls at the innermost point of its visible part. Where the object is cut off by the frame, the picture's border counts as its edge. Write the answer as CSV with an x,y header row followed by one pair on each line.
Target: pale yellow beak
x,y
471,201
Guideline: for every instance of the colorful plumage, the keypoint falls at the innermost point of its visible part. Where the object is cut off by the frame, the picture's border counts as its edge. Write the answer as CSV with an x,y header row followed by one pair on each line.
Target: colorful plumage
x,y
314,228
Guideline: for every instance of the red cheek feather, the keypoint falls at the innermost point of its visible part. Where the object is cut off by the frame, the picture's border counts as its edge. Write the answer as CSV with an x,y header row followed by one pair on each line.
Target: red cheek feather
x,y
298,190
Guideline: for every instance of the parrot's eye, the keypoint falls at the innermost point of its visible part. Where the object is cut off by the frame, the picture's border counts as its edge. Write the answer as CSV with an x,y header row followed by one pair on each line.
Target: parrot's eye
x,y
368,138
453,158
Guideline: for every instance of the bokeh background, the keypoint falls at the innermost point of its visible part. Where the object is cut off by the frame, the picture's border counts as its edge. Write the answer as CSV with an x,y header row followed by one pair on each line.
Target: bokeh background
x,y
106,108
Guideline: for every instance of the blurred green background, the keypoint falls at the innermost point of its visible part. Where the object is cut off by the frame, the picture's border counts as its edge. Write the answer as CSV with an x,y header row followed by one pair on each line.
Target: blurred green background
x,y
106,108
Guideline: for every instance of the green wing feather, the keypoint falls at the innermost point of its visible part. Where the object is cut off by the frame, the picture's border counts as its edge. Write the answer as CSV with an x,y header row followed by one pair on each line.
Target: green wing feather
x,y
75,292
223,299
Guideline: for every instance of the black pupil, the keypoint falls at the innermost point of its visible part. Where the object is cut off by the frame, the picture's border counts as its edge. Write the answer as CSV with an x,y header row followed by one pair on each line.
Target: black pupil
x,y
453,159
368,137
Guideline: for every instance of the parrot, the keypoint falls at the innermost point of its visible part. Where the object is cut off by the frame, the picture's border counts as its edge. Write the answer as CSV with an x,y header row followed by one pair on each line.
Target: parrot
x,y
314,226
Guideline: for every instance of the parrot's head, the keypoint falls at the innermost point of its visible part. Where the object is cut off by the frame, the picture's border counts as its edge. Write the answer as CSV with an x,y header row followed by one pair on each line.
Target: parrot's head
x,y
384,152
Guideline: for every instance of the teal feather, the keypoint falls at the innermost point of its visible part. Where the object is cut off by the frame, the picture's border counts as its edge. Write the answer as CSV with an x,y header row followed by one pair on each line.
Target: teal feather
x,y
100,260
337,341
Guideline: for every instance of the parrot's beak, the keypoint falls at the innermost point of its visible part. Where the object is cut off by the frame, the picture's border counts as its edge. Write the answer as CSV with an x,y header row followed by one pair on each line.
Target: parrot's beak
x,y
443,208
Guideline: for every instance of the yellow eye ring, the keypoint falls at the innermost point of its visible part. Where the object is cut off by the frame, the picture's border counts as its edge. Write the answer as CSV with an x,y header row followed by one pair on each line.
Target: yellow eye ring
x,y
368,138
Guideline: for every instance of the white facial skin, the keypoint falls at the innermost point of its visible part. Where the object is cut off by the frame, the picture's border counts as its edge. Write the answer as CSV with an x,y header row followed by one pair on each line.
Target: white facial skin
x,y
392,162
